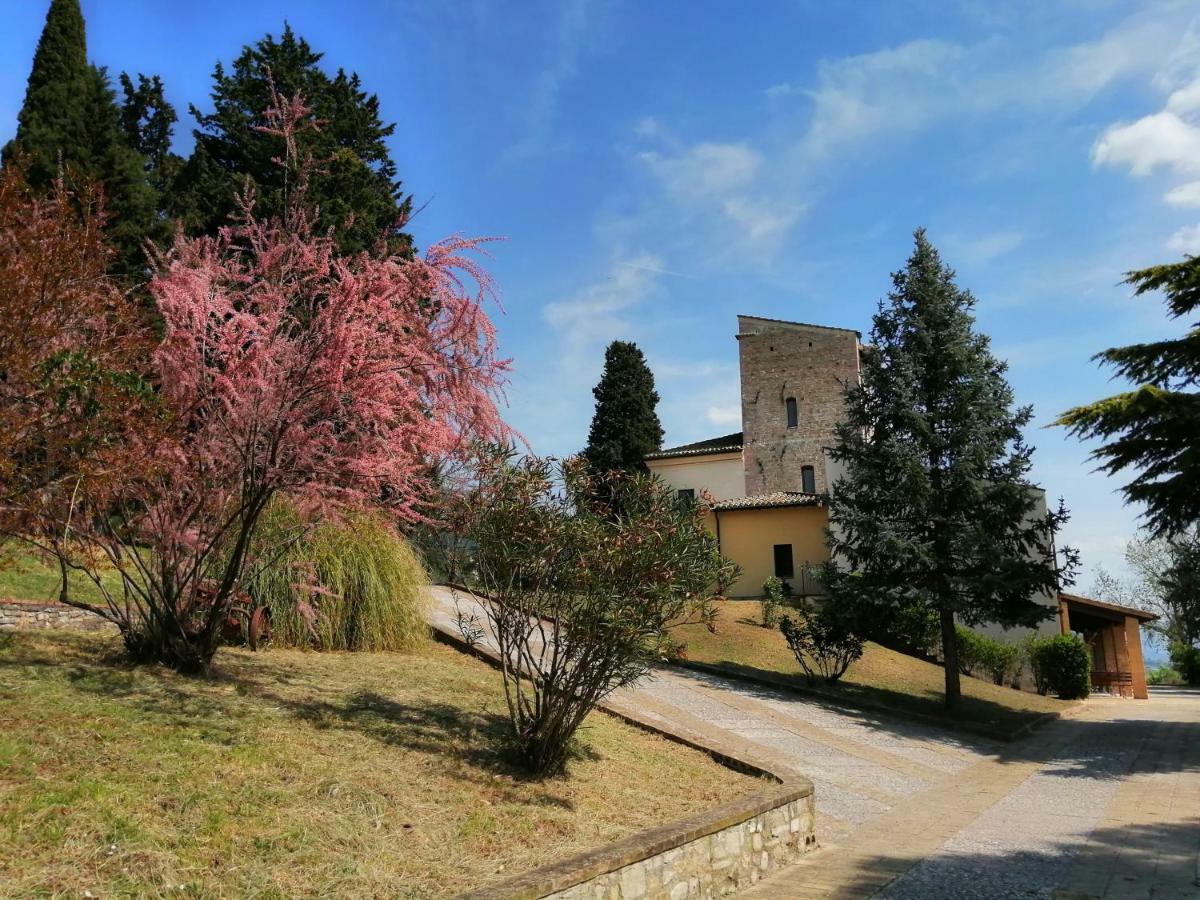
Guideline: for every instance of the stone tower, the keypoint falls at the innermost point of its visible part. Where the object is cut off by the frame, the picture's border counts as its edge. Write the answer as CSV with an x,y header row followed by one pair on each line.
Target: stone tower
x,y
793,376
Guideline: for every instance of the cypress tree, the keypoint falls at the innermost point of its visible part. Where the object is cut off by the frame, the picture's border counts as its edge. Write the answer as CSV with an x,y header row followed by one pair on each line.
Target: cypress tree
x,y
70,124
625,426
935,512
1154,428
354,183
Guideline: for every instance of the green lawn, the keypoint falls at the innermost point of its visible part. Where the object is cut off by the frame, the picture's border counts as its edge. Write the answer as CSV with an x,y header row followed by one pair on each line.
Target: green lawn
x,y
882,678
28,575
294,773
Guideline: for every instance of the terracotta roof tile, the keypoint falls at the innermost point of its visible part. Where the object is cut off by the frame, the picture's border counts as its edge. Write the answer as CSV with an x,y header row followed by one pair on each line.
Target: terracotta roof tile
x,y
768,501
727,443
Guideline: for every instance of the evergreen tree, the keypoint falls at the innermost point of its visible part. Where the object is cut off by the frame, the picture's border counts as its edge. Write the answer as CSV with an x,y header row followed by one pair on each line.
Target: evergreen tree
x,y
1155,428
354,185
70,124
625,426
148,121
935,511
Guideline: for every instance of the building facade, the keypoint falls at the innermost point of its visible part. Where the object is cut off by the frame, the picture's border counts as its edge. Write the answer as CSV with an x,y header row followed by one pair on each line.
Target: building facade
x,y
765,487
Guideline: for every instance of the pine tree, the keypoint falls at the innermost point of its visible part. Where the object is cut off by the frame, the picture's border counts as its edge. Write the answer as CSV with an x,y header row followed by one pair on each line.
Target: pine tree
x,y
935,511
625,426
1154,428
354,185
70,124
148,120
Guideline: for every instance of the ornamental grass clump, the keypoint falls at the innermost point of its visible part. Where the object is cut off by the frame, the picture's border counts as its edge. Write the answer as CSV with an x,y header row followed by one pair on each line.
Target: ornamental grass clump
x,y
584,579
353,584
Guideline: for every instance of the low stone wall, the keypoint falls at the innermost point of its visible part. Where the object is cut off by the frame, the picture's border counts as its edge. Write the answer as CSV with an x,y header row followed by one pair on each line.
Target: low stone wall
x,y
713,854
24,615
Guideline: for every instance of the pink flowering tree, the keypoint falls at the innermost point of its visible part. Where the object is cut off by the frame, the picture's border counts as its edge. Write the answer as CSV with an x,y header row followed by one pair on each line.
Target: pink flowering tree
x,y
283,368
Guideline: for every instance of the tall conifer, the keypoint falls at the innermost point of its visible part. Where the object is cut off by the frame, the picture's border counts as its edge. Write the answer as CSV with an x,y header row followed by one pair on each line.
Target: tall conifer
x,y
935,510
625,426
1155,428
70,124
354,182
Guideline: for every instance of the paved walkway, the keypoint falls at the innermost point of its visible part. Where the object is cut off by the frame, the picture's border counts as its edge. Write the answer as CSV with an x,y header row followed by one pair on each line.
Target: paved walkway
x,y
1103,804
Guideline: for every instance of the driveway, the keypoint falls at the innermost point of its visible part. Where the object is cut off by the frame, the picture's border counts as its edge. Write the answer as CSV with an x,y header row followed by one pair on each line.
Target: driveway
x,y
1105,803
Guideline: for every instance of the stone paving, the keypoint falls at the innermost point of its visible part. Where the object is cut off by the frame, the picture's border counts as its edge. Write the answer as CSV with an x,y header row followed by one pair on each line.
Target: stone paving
x,y
1105,803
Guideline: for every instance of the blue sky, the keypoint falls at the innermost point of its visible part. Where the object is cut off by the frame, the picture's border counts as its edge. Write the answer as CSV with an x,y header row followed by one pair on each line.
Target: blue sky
x,y
658,168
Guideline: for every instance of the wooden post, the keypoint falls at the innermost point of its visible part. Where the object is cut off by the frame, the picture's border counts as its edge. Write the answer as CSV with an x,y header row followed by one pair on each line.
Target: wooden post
x,y
1137,665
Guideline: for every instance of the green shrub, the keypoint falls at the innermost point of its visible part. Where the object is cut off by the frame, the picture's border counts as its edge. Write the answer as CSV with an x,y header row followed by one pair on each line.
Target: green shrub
x,y
1163,675
369,585
772,603
971,649
1185,660
822,644
1002,661
979,653
1061,664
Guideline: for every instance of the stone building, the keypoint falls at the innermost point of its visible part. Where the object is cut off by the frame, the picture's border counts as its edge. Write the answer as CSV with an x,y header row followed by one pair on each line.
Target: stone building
x,y
765,487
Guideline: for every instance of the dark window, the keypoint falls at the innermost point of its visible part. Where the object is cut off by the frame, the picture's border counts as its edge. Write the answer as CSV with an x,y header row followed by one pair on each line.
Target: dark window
x,y
686,495
808,480
783,561
793,416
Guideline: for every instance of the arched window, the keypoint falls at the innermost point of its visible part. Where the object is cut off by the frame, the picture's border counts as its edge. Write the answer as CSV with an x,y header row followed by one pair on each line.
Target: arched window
x,y
793,416
808,480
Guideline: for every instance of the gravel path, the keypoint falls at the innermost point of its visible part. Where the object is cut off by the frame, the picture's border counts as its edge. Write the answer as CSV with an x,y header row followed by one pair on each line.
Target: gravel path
x,y
1103,804
860,764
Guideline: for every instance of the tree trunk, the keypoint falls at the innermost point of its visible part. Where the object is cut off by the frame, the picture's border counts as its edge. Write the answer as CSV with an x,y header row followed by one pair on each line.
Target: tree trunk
x,y
950,656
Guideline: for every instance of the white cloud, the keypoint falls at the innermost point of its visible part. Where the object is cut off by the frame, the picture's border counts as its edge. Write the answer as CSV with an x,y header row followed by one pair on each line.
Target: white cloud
x,y
1161,139
1185,240
1184,195
724,415
859,99
593,315
706,167
721,190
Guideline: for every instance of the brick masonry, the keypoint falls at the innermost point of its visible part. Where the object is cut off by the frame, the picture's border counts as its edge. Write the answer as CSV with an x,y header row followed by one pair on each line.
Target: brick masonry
x,y
24,615
780,360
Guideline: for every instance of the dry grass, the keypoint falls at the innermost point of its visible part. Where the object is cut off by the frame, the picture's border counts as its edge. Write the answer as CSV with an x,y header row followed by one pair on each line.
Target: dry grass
x,y
299,774
882,677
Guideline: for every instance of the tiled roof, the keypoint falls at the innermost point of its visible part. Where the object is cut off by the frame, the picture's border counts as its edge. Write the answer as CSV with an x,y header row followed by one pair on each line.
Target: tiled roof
x,y
728,443
769,501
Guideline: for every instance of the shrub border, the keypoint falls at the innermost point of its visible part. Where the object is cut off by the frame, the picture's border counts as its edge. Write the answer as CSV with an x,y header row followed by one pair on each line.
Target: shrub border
x,y
575,870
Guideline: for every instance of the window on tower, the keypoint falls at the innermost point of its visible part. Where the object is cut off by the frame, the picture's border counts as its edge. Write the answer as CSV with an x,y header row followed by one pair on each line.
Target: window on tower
x,y
808,479
793,415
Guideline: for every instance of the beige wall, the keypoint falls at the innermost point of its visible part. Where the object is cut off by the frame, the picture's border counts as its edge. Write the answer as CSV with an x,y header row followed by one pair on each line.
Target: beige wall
x,y
749,536
718,473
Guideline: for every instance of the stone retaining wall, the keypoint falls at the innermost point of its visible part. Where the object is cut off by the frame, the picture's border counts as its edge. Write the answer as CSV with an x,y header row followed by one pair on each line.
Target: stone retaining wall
x,y
713,854
24,615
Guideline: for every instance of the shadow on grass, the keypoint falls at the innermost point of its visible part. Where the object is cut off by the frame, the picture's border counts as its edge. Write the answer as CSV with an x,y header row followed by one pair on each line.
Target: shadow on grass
x,y
471,745
976,716
1103,749
1144,860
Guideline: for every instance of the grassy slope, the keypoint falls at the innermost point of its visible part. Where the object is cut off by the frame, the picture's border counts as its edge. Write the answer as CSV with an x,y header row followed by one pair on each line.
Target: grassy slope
x,y
30,576
882,676
293,773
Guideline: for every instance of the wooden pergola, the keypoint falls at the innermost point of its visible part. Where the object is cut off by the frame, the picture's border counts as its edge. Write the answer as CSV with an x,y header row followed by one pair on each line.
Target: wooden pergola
x,y
1113,633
